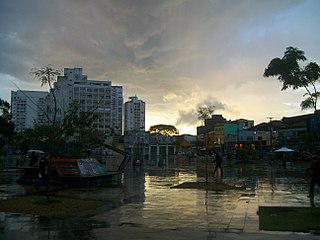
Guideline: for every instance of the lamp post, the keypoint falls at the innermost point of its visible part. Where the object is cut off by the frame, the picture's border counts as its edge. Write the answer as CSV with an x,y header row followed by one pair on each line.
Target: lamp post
x,y
270,129
207,153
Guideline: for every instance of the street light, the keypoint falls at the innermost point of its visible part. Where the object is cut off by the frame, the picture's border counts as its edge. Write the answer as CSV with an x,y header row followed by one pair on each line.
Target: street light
x,y
270,129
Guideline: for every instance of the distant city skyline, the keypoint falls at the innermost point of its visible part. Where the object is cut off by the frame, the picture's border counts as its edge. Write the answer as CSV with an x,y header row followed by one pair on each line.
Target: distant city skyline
x,y
174,55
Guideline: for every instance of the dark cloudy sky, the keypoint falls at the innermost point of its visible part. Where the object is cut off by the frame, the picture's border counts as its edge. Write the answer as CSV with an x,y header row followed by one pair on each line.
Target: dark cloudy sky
x,y
176,55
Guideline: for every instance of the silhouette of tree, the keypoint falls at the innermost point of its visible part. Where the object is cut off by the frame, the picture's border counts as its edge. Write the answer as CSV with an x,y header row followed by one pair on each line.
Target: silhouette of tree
x,y
291,74
47,75
205,112
6,125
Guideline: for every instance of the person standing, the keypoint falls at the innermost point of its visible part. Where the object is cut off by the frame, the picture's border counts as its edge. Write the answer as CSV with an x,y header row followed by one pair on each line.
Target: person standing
x,y
218,160
43,173
315,176
33,158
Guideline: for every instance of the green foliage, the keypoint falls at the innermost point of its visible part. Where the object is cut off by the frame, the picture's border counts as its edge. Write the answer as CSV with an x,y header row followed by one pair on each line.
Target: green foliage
x,y
77,121
76,128
4,109
77,125
22,140
6,125
293,219
163,129
80,124
291,74
44,136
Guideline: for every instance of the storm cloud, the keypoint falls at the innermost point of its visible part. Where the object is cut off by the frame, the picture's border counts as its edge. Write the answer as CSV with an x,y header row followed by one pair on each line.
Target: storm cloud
x,y
173,54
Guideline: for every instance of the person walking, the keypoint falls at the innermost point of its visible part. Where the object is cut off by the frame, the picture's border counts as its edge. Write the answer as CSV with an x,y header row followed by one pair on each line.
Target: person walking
x,y
218,160
314,171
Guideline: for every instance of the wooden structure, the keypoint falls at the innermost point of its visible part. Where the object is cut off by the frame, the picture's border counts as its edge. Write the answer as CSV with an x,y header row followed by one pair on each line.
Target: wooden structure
x,y
79,172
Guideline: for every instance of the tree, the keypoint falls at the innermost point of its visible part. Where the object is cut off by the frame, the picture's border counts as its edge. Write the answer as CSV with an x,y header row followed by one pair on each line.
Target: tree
x,y
291,74
81,124
76,126
4,109
163,129
75,123
6,125
47,75
205,112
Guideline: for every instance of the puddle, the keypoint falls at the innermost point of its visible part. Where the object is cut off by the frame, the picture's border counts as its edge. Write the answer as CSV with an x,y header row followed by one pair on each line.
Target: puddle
x,y
145,198
32,227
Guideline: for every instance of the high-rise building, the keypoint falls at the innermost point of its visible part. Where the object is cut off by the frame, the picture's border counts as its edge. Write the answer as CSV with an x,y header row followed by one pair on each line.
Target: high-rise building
x,y
134,115
27,109
90,95
30,108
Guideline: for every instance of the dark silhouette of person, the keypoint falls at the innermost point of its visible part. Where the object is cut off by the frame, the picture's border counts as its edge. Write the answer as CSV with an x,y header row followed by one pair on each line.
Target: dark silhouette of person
x,y
218,160
315,175
33,158
43,173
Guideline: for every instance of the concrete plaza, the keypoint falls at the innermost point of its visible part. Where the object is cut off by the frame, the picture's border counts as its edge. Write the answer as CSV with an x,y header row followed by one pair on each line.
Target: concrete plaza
x,y
147,207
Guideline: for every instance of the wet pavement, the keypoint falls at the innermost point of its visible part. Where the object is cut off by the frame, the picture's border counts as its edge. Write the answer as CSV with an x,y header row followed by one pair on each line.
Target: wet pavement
x,y
146,206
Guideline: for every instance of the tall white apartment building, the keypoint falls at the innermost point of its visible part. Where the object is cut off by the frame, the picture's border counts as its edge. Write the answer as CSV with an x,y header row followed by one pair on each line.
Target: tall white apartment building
x,y
134,115
91,95
27,109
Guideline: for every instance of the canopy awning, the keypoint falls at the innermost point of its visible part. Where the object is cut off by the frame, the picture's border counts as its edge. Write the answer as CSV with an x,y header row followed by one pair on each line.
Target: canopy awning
x,y
284,149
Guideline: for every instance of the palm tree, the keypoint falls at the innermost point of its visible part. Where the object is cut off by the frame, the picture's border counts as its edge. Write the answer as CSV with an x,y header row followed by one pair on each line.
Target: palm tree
x,y
47,75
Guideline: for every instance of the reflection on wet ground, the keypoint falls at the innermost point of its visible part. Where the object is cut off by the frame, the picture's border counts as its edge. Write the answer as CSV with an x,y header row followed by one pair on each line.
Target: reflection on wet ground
x,y
146,199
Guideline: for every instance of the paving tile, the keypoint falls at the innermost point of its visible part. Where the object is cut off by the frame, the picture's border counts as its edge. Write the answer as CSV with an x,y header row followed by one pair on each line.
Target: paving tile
x,y
146,202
